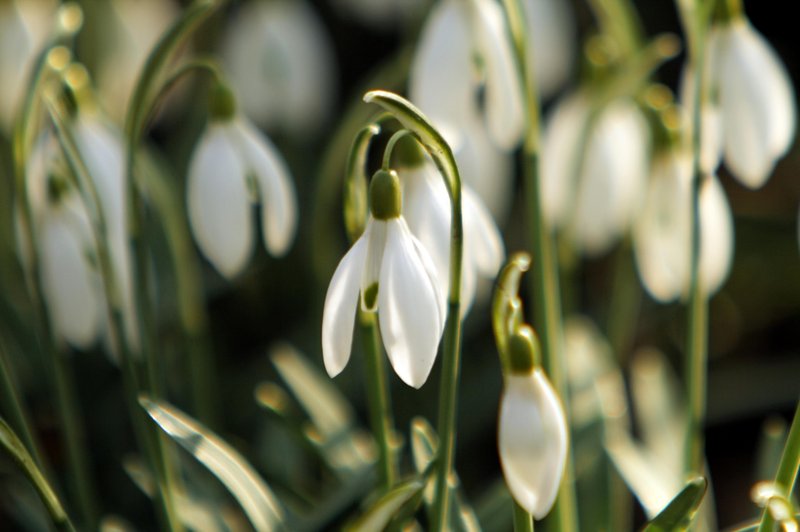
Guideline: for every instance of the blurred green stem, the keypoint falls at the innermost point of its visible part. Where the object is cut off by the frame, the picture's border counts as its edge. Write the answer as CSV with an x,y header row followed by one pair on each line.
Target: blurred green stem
x,y
25,127
545,288
379,402
787,470
523,521
696,18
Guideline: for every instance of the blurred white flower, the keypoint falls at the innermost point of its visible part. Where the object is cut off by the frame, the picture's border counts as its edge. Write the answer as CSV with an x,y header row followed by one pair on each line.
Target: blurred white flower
x,y
23,31
593,194
279,59
396,277
532,438
662,233
552,36
444,81
756,100
69,271
233,166
128,37
426,207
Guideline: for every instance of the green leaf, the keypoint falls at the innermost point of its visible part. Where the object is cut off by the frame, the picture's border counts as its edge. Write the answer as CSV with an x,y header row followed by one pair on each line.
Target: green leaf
x,y
230,467
14,447
381,513
679,513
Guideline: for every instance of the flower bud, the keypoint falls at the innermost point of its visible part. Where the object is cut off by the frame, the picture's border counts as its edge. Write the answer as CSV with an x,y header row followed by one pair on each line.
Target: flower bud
x,y
385,197
532,439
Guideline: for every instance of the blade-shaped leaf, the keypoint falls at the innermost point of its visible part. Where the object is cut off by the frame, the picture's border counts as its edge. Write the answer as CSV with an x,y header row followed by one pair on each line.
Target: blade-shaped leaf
x,y
230,467
679,513
14,447
378,516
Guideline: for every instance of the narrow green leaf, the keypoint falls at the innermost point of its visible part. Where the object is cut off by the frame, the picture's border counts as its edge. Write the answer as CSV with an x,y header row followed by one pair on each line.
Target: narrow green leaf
x,y
230,467
14,447
378,516
679,513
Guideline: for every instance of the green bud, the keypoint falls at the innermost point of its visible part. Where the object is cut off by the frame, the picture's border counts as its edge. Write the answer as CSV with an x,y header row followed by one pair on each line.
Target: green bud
x,y
385,196
221,102
523,350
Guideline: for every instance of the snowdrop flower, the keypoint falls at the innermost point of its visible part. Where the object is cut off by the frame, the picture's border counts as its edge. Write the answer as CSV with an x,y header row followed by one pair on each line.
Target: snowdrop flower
x,y
443,81
395,276
662,233
233,166
69,275
756,100
595,194
23,30
278,55
132,32
427,211
532,435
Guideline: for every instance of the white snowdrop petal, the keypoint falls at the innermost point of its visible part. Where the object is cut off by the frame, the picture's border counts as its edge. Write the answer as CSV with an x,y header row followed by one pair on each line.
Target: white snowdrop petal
x,y
433,277
279,57
409,314
481,234
102,151
774,84
560,159
441,79
486,168
661,232
716,236
426,210
69,285
552,36
504,107
338,314
532,439
375,238
218,202
279,206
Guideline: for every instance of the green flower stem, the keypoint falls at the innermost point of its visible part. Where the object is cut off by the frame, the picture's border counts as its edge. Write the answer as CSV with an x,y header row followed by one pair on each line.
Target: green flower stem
x,y
380,409
545,288
696,19
442,155
787,469
619,20
85,185
523,521
81,489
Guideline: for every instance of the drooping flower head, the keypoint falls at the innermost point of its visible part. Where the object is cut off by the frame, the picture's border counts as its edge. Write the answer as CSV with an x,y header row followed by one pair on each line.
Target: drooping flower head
x,y
756,99
233,167
532,427
426,207
387,271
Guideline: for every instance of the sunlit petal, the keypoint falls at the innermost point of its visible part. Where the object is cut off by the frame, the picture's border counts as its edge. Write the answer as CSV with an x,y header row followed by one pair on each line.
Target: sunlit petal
x,y
409,307
504,107
716,236
375,238
279,206
552,37
532,438
338,314
218,202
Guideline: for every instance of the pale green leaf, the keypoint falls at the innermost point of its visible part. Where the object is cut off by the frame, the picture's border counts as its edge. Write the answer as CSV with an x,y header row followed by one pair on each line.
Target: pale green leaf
x,y
259,503
679,513
380,514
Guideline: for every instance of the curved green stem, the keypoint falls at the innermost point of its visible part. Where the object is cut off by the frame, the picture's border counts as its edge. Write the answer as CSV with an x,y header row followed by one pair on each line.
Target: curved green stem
x,y
545,288
412,119
787,469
